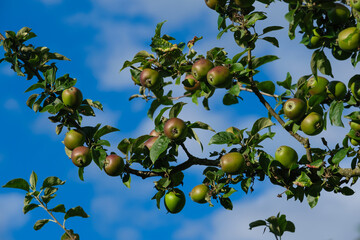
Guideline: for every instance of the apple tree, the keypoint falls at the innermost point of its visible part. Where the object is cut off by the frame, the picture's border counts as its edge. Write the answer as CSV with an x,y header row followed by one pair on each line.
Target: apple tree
x,y
303,108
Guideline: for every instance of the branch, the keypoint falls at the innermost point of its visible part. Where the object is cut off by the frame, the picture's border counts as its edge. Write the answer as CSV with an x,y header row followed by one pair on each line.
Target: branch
x,y
2,37
348,172
54,218
304,141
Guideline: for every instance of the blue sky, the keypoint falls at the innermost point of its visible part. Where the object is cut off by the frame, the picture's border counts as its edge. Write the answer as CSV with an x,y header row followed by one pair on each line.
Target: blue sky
x,y
98,36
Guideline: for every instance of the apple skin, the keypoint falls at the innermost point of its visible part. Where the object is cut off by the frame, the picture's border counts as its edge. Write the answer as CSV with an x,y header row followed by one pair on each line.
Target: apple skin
x,y
317,86
355,4
199,193
355,89
81,156
349,39
200,69
114,165
211,3
339,14
355,126
219,77
295,109
232,163
190,83
174,200
150,78
154,133
72,97
340,54
312,124
287,156
149,143
354,142
336,90
175,129
74,138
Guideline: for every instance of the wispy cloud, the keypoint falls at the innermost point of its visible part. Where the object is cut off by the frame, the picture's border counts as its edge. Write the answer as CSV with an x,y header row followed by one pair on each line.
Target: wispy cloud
x,y
11,104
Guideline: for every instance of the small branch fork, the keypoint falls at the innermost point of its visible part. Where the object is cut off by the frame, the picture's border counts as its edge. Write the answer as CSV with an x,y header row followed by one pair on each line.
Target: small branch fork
x,y
54,218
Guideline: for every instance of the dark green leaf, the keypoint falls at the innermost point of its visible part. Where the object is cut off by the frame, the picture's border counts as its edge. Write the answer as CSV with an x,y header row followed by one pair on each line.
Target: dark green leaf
x,y
286,83
127,180
226,203
230,99
221,138
40,223
59,208
257,62
260,124
271,28
52,181
18,183
200,125
272,40
33,180
347,191
29,207
257,223
303,180
267,87
176,109
104,130
76,212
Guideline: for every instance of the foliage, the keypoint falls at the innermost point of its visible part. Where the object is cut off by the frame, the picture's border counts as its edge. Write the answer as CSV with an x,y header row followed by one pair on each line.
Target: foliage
x,y
315,171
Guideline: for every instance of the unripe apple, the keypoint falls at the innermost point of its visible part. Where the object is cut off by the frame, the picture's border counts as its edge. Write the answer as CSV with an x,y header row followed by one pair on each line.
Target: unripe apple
x,y
355,4
354,142
74,138
244,3
190,83
312,124
200,69
336,90
114,165
72,97
349,39
286,156
339,14
175,128
295,109
174,200
219,77
355,88
150,78
232,163
317,86
154,133
198,193
355,126
212,3
81,156
149,143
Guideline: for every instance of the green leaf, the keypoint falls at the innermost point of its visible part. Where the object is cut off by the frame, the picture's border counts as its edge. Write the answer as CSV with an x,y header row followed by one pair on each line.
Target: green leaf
x,y
176,109
158,29
229,193
76,212
323,64
29,207
340,155
33,180
52,181
347,191
59,208
230,99
104,130
31,100
257,62
159,146
226,203
260,124
286,83
154,105
35,86
257,223
253,17
222,138
127,180
201,125
335,113
65,236
18,183
271,28
267,87
312,200
272,40
40,223
303,180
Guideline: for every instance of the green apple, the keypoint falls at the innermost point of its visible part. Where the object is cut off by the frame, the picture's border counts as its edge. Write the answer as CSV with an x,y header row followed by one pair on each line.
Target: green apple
x,y
287,156
232,163
190,83
174,200
200,69
336,90
244,3
339,14
295,109
150,78
74,138
317,86
349,39
199,193
72,97
219,77
312,124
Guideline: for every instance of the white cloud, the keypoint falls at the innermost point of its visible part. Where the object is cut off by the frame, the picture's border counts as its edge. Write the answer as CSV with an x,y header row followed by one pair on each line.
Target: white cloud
x,y
335,217
128,233
11,217
42,125
7,71
11,104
